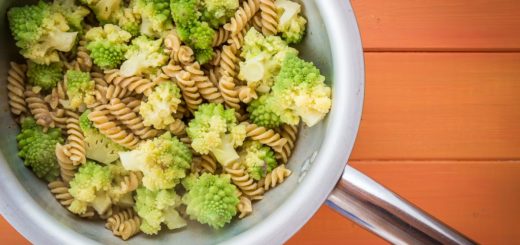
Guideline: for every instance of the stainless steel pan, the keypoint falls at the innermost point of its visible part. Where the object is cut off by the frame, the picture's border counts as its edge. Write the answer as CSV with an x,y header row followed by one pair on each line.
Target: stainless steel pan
x,y
333,43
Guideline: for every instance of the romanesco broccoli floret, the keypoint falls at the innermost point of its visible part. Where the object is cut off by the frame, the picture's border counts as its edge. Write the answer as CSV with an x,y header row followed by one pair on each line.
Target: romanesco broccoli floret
x,y
258,159
37,149
104,10
263,59
212,200
90,187
143,56
72,12
44,76
128,21
156,208
40,32
107,45
155,16
80,88
300,91
158,110
291,24
214,129
262,112
218,12
196,33
162,160
98,147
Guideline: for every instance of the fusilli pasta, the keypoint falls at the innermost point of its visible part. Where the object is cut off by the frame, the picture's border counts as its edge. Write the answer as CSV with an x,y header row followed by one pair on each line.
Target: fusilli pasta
x,y
276,177
242,16
101,120
124,224
244,182
265,136
177,128
67,168
207,90
190,92
16,88
136,84
130,119
269,17
75,139
290,133
244,207
38,108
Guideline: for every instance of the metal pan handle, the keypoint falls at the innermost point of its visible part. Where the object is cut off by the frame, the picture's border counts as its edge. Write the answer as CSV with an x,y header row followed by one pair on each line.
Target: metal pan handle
x,y
389,216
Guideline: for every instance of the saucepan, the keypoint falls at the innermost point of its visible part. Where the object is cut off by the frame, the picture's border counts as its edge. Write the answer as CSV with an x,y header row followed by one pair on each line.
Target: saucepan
x,y
333,43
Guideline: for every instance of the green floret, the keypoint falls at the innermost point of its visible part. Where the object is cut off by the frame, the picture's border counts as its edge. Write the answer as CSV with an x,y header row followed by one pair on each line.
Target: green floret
x,y
300,91
158,110
212,200
80,88
156,208
44,76
214,129
155,15
107,45
104,10
128,21
143,56
262,112
72,12
90,187
37,148
263,59
97,146
258,159
162,160
291,24
40,32
195,33
218,12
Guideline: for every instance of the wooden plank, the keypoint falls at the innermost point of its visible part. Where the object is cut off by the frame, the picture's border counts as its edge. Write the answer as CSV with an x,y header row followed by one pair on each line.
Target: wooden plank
x,y
478,198
439,24
440,106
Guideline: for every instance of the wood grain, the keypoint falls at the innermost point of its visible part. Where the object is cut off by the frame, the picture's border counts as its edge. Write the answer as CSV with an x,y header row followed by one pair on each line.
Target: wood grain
x,y
433,25
425,106
478,198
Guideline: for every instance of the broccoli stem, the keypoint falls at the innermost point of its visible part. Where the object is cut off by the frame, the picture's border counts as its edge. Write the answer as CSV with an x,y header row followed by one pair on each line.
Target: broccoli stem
x,y
225,153
62,41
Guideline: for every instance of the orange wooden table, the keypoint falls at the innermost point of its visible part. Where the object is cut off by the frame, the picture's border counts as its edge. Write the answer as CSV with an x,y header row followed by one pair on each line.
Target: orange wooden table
x,y
441,123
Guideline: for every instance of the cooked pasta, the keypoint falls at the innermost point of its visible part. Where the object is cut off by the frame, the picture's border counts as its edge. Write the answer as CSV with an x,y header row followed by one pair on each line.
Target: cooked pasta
x,y
257,21
172,43
177,128
229,61
246,94
207,90
58,94
208,163
130,182
171,69
229,92
221,37
130,119
290,133
276,177
242,16
75,139
213,75
115,91
67,168
269,17
265,136
60,190
124,224
136,84
16,88
190,92
185,55
103,121
83,59
244,207
244,182
38,108
59,118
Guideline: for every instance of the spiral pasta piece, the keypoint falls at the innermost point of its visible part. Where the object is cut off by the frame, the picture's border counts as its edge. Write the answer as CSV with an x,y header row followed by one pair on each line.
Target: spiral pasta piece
x,y
136,84
269,17
213,75
75,140
276,177
221,36
237,39
115,91
177,128
57,94
130,119
39,109
207,90
257,21
243,181
83,59
133,103
67,168
130,182
215,61
59,118
60,191
244,207
265,136
208,163
101,119
246,94
229,93
290,133
242,16
16,88
190,92
124,224
185,55
171,69
172,44
229,60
